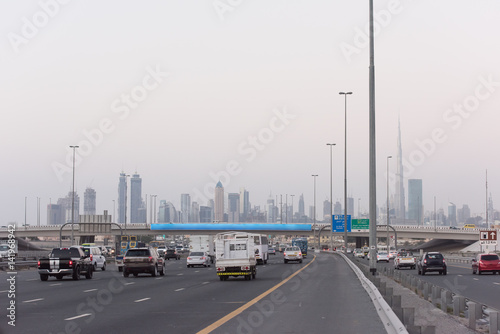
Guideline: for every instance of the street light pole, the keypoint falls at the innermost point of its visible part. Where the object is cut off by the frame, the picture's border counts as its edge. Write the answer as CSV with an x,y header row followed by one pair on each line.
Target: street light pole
x,y
388,243
73,199
345,168
331,195
126,190
314,212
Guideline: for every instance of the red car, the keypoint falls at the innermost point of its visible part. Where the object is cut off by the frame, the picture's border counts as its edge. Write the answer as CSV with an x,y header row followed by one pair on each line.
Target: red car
x,y
486,263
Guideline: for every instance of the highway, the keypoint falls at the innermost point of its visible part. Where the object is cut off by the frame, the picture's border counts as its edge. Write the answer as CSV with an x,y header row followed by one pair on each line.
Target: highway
x,y
484,288
320,295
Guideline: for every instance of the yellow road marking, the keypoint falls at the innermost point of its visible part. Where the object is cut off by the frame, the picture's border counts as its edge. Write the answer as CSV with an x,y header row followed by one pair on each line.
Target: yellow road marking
x,y
242,308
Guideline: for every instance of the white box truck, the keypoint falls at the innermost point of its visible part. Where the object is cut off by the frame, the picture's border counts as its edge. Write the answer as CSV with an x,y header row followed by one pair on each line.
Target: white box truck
x,y
203,243
235,255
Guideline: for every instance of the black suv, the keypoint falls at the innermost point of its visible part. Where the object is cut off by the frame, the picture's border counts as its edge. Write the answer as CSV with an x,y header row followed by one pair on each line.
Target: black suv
x,y
432,261
172,254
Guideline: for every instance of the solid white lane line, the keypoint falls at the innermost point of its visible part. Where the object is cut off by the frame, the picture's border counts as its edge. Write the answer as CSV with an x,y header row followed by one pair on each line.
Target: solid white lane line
x,y
78,316
205,282
32,300
179,289
180,274
55,284
141,300
90,290
129,283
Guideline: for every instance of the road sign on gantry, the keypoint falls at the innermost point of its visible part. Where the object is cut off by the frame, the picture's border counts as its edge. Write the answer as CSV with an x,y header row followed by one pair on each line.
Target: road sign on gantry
x,y
338,223
488,237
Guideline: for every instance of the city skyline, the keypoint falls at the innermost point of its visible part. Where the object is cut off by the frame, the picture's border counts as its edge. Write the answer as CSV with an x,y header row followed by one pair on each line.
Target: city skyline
x,y
187,96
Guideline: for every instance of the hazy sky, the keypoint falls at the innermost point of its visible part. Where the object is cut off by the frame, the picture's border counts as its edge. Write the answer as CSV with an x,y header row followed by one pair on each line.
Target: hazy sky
x,y
187,92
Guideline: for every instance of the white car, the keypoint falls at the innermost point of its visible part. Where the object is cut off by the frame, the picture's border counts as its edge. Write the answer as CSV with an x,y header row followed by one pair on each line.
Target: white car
x,y
198,259
96,256
382,256
292,254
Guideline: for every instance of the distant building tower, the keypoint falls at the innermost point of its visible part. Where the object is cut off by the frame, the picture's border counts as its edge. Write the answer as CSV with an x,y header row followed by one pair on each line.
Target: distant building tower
x,y
206,214
55,214
219,202
233,200
465,213
302,211
244,204
350,206
185,208
122,197
271,211
89,202
66,208
399,196
452,214
136,216
415,207
337,209
195,213
326,209
167,213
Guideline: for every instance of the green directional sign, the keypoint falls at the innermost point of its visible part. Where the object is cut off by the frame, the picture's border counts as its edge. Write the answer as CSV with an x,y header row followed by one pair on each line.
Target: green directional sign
x,y
360,225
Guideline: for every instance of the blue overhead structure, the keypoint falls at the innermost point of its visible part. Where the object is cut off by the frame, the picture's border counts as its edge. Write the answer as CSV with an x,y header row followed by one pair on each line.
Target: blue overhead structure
x,y
232,227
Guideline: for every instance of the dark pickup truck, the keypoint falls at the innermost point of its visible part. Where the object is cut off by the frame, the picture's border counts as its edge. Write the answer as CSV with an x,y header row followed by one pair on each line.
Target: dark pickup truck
x,y
61,262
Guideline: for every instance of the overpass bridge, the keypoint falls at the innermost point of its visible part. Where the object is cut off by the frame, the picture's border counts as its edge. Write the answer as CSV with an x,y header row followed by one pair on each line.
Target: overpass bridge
x,y
82,229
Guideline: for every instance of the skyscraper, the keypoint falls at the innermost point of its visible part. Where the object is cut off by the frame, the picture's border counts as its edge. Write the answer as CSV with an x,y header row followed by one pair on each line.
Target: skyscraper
x,y
399,196
244,204
219,202
136,214
302,211
185,208
122,197
415,207
452,214
233,207
350,206
206,214
194,216
271,211
89,202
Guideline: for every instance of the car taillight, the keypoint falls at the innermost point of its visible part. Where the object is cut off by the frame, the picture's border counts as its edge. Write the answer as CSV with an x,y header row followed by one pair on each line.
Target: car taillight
x,y
245,268
91,257
284,253
203,258
39,263
189,258
444,261
220,268
70,262
300,254
150,259
425,261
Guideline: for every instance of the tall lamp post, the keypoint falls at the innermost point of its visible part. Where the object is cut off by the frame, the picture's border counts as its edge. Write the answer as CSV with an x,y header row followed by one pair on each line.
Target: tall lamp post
x,y
331,195
74,147
314,212
388,243
345,168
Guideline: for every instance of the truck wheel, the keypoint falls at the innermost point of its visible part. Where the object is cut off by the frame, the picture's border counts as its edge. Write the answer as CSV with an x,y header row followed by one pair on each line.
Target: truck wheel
x,y
125,274
103,266
221,278
120,269
254,274
44,277
89,273
76,273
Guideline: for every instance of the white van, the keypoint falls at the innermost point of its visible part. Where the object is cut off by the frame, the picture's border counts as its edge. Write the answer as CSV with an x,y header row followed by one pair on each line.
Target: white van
x,y
96,256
